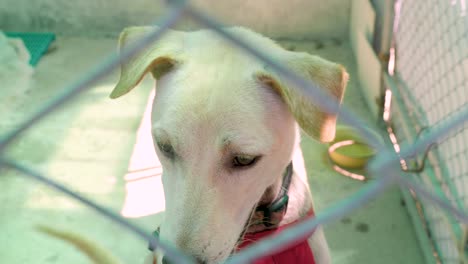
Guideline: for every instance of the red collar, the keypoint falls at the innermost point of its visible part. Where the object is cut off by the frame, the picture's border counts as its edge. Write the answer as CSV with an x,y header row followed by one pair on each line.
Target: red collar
x,y
298,252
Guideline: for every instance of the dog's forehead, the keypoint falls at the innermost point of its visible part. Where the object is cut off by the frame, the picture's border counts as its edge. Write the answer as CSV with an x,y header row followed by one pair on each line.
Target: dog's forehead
x,y
214,87
214,80
215,110
208,96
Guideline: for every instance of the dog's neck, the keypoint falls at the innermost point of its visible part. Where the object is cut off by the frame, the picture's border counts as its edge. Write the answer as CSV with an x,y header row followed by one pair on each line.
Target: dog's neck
x,y
273,205
299,200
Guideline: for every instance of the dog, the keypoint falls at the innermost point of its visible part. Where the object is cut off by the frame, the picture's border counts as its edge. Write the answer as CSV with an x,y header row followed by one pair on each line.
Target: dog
x,y
226,128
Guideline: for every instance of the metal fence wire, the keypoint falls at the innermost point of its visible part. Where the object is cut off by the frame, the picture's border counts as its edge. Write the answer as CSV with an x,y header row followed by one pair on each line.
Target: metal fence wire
x,y
433,64
431,77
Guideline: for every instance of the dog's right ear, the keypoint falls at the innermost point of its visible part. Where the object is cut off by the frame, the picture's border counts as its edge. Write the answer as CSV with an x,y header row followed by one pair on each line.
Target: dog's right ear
x,y
159,58
327,76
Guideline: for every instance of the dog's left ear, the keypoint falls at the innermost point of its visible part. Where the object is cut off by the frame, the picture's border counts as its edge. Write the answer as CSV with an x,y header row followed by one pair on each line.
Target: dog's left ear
x,y
330,77
159,58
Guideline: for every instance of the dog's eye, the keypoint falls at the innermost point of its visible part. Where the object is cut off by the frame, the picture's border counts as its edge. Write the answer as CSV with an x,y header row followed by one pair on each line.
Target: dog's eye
x,y
244,160
166,149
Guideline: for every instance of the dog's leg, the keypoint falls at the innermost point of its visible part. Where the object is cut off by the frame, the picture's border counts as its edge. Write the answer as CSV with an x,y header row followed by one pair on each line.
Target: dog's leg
x,y
319,246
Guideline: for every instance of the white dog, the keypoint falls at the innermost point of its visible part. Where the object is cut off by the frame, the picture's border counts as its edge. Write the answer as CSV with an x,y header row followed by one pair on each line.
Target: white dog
x,y
226,129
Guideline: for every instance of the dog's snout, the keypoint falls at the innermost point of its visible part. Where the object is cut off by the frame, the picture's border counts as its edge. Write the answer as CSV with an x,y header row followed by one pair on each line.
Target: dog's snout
x,y
165,260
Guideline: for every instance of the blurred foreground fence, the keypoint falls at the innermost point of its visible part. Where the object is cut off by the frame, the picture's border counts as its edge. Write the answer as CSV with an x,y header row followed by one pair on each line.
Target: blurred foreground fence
x,y
429,91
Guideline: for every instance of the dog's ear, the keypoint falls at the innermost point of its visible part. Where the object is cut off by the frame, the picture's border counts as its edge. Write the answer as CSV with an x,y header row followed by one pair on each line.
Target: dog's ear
x,y
159,58
330,77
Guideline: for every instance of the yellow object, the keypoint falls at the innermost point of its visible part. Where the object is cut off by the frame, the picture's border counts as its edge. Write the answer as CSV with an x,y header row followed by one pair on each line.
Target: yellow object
x,y
349,149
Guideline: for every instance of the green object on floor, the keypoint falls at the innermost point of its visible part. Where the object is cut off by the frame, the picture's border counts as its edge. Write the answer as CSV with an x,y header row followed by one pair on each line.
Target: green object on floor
x,y
36,43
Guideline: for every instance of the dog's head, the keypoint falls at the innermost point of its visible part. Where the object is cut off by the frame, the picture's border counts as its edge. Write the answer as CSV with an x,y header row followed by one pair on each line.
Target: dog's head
x,y
224,127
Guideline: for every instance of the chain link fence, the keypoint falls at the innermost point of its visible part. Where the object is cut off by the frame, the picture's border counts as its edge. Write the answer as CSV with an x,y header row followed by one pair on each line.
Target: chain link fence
x,y
430,74
446,125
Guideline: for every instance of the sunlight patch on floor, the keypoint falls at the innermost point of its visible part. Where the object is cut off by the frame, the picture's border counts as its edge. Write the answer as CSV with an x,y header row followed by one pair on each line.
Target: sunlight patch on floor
x,y
144,191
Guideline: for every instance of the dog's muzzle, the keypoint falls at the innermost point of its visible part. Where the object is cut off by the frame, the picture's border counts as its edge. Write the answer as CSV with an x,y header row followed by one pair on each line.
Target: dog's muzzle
x,y
264,216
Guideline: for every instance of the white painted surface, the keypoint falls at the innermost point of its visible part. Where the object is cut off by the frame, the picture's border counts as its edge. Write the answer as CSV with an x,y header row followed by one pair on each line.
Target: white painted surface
x,y
276,18
369,68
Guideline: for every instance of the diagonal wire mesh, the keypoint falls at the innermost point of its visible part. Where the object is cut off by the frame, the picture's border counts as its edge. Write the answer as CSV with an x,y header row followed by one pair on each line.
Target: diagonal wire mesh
x,y
431,77
384,165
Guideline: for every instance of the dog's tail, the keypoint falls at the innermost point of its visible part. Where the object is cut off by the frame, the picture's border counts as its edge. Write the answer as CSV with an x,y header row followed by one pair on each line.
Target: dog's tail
x,y
96,253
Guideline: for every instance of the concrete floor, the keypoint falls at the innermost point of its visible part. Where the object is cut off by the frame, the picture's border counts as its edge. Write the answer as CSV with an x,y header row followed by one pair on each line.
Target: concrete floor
x,y
88,146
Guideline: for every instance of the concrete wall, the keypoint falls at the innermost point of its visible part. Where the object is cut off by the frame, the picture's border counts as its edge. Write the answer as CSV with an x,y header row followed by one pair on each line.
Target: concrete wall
x,y
383,24
276,18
